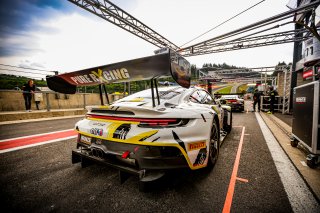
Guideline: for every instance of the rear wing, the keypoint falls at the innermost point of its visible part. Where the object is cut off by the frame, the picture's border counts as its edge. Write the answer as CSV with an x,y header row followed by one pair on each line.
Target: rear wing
x,y
168,64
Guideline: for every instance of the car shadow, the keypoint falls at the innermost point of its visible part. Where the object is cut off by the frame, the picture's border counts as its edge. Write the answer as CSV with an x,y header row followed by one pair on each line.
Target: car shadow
x,y
176,180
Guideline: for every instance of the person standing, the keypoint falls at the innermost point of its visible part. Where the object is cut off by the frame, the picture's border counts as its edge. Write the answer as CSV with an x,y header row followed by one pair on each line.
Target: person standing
x,y
28,90
272,93
256,99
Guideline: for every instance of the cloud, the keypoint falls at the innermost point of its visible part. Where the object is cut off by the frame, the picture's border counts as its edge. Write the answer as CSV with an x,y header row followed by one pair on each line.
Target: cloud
x,y
59,35
30,64
19,18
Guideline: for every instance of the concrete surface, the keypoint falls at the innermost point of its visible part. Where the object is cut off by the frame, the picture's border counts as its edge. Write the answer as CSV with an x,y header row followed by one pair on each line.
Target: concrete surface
x,y
280,126
43,179
282,131
285,118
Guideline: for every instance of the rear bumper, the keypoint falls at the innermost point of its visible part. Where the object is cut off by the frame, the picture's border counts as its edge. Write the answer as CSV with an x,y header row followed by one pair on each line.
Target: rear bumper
x,y
80,157
236,107
143,175
139,157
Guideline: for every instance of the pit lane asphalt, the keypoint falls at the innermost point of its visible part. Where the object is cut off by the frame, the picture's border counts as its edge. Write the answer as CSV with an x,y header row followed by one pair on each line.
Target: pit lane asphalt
x,y
24,128
42,178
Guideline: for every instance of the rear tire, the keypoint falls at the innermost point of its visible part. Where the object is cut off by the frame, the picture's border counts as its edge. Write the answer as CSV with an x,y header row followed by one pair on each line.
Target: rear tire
x,y
214,145
294,143
312,161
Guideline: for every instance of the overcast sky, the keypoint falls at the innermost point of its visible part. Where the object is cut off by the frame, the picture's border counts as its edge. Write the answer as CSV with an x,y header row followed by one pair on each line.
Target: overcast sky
x,y
58,35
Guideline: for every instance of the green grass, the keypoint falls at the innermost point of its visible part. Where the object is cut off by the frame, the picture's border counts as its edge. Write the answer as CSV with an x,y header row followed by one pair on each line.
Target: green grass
x,y
242,88
224,90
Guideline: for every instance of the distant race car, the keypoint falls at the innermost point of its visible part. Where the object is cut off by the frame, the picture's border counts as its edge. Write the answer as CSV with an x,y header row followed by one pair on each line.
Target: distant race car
x,y
152,131
234,101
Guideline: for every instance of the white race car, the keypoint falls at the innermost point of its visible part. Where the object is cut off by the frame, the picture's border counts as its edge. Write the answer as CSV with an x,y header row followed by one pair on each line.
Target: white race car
x,y
152,131
234,101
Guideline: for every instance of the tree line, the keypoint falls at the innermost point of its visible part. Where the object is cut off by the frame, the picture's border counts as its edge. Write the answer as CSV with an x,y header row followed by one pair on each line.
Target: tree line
x,y
12,82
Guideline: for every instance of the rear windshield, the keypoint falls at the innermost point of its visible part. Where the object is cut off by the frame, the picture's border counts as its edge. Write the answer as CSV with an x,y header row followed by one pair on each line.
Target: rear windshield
x,y
164,93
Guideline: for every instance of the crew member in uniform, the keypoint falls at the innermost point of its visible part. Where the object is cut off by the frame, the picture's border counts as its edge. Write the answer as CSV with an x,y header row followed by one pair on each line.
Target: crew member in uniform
x,y
256,100
272,93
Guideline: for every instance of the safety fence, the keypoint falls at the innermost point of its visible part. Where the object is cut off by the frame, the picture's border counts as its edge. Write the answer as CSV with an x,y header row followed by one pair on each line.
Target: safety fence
x,y
265,103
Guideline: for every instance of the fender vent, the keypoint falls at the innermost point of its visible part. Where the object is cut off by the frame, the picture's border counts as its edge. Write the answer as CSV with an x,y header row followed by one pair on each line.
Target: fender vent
x,y
122,131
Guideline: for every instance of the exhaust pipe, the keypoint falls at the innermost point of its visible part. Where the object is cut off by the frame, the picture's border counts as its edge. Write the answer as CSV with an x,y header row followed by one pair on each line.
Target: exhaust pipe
x,y
97,153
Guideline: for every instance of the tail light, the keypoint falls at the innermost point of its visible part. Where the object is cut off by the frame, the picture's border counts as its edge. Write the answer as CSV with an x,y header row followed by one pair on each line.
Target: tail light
x,y
145,122
162,123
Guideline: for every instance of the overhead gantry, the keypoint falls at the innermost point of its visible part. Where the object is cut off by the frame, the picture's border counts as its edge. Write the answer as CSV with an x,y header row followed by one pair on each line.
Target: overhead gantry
x,y
254,35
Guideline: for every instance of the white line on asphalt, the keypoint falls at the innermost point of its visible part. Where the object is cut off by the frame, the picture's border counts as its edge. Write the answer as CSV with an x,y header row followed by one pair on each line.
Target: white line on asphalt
x,y
36,144
303,163
31,136
299,195
40,119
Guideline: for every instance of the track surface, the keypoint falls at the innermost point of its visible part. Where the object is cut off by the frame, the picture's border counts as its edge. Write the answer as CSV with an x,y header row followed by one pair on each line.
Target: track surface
x,y
42,178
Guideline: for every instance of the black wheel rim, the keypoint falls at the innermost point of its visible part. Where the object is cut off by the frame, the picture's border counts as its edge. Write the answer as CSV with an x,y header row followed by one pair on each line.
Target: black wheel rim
x,y
214,145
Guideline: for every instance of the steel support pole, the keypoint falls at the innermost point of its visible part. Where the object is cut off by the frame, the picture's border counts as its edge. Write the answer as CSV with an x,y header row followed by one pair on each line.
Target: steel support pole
x,y
294,73
48,102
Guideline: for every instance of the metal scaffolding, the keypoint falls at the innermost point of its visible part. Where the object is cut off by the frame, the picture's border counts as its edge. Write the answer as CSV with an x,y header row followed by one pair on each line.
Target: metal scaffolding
x,y
249,42
249,38
115,15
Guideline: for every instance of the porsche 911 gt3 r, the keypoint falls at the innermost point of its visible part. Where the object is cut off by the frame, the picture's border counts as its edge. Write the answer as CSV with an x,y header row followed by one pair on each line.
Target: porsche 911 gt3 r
x,y
183,131
234,101
151,131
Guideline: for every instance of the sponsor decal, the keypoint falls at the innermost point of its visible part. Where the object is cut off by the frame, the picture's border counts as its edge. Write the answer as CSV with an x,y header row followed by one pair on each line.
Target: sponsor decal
x,y
180,69
98,124
201,157
96,131
196,145
85,139
98,141
101,76
301,100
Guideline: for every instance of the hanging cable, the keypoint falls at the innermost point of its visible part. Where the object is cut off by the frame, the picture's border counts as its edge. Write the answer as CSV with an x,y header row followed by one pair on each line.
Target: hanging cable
x,y
25,68
8,70
222,23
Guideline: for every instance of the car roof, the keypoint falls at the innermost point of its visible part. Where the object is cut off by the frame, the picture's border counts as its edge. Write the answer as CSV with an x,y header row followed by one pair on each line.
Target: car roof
x,y
172,94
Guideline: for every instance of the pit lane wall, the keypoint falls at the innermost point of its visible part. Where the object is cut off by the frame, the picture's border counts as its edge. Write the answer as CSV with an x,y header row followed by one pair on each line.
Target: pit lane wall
x,y
14,101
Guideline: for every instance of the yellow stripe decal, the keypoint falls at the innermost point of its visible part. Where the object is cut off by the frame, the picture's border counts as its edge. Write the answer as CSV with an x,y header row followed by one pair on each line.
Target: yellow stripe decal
x,y
136,100
216,109
129,141
111,129
143,136
104,107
